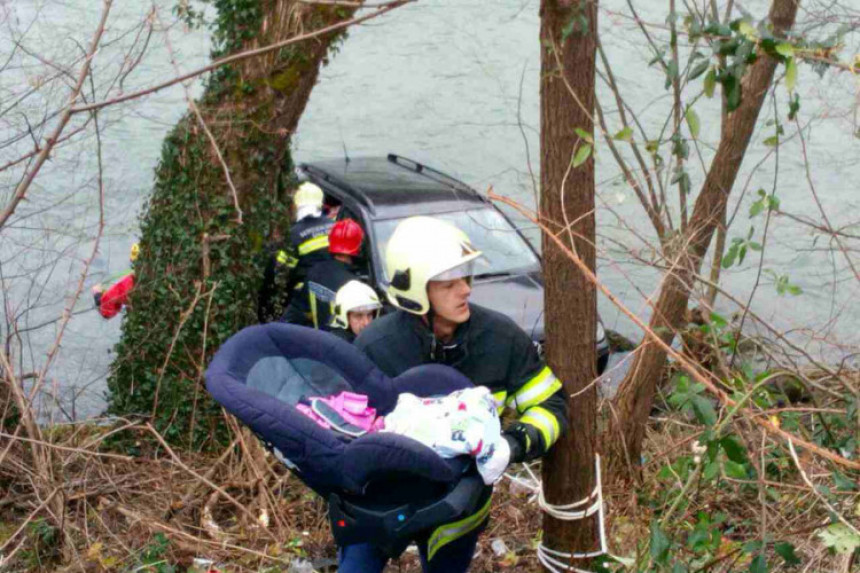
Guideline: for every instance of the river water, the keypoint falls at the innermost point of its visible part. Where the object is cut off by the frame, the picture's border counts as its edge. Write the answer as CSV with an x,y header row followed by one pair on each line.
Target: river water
x,y
453,84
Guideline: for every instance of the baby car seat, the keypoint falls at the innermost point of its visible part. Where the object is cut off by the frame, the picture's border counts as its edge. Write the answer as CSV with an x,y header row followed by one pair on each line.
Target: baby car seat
x,y
382,488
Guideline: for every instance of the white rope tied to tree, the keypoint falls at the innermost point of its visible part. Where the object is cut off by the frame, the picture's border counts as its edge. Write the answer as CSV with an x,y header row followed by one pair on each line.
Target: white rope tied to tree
x,y
559,561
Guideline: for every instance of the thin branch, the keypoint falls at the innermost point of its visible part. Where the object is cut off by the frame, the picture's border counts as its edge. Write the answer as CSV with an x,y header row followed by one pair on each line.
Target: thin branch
x,y
21,190
383,8
682,361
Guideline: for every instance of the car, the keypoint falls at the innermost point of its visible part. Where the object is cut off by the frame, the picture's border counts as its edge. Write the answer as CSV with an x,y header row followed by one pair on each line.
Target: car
x,y
379,192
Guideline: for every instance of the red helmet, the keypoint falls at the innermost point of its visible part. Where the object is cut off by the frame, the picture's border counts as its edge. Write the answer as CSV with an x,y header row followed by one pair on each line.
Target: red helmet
x,y
345,238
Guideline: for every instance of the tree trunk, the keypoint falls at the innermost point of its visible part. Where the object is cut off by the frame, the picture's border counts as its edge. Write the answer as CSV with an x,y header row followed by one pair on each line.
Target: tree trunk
x,y
633,402
197,278
567,194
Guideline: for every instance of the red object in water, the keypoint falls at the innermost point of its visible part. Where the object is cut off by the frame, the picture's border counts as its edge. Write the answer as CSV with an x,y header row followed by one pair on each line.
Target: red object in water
x,y
341,523
113,299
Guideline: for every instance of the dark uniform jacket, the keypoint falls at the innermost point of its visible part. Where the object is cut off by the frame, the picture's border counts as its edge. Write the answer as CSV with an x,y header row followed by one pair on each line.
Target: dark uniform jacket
x,y
289,264
314,305
492,351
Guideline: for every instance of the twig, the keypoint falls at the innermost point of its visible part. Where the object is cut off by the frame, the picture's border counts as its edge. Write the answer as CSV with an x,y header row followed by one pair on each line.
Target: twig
x,y
183,318
684,363
817,494
383,8
203,479
22,188
193,105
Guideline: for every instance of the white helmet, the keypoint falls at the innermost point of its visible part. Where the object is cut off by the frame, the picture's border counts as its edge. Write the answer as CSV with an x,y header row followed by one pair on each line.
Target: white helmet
x,y
422,249
308,195
354,296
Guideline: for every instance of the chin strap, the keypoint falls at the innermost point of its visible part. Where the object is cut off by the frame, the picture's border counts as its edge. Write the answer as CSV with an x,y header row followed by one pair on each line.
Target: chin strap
x,y
559,561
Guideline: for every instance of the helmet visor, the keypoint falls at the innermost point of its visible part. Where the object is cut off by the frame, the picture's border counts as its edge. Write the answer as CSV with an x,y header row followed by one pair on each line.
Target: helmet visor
x,y
467,269
366,307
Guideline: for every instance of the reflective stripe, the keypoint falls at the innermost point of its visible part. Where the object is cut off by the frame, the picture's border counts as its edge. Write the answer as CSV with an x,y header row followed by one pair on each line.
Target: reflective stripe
x,y
545,421
284,258
543,385
499,397
314,244
447,533
313,300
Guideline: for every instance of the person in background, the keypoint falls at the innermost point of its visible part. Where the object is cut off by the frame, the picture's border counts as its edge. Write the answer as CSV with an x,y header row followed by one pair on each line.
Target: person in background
x,y
110,301
288,265
430,264
314,305
356,305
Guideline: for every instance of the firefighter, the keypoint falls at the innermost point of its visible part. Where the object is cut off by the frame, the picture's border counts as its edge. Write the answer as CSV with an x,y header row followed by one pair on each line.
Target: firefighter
x,y
356,305
288,264
111,301
430,264
314,305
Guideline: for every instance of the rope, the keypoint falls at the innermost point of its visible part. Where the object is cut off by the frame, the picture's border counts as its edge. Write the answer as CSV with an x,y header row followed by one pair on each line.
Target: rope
x,y
553,559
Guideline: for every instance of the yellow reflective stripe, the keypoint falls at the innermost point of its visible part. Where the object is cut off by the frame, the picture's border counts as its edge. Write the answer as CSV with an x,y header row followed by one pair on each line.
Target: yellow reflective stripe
x,y
543,385
545,422
313,300
499,397
449,532
282,257
314,244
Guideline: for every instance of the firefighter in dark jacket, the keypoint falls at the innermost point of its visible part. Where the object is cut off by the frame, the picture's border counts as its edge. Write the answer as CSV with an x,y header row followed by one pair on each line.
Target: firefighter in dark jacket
x,y
429,264
356,305
289,264
314,304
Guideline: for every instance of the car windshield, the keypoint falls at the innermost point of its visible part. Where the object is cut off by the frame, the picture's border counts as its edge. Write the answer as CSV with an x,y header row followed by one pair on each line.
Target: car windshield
x,y
505,251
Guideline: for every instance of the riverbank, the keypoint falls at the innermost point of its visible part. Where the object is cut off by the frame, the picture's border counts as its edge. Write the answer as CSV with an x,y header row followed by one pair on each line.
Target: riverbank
x,y
131,503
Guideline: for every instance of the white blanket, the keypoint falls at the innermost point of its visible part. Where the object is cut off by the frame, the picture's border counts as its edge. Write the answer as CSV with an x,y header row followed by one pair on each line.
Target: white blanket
x,y
463,422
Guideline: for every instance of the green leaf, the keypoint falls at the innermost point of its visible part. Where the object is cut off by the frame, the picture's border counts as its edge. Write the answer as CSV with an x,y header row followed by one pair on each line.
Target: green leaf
x,y
729,257
843,482
582,154
693,122
785,49
754,246
584,135
733,93
793,107
758,564
735,470
678,568
734,450
625,134
747,30
671,73
710,83
711,470
700,69
756,208
659,543
771,141
790,74
786,550
795,290
568,30
704,410
839,538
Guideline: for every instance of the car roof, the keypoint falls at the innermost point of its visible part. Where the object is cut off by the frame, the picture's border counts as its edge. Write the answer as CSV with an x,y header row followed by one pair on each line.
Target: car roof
x,y
392,186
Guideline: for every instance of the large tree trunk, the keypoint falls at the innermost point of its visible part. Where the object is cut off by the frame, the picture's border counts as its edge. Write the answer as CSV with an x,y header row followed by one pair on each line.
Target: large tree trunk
x,y
567,195
634,399
199,271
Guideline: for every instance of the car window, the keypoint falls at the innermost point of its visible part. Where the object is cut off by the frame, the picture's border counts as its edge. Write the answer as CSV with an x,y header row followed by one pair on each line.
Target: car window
x,y
504,249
